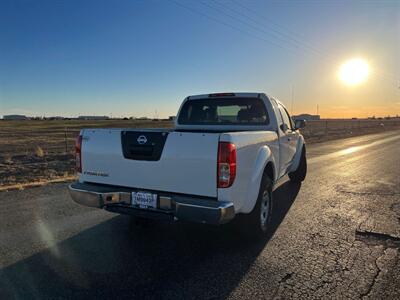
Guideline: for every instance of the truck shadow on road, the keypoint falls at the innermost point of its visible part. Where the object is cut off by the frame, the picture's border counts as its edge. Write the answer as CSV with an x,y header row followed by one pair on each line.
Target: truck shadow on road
x,y
116,259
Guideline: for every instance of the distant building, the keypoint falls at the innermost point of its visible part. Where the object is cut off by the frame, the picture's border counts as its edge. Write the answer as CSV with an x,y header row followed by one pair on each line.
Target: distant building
x,y
307,117
15,117
97,118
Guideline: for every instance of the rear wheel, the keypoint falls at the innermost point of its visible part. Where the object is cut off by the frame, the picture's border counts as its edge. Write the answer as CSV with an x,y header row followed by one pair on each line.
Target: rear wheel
x,y
300,174
257,222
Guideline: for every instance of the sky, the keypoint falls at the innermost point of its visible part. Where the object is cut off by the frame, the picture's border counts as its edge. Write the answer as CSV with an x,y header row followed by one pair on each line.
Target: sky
x,y
141,58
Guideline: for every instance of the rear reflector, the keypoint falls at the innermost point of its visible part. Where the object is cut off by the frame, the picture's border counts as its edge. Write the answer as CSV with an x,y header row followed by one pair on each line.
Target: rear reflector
x,y
226,166
78,154
222,95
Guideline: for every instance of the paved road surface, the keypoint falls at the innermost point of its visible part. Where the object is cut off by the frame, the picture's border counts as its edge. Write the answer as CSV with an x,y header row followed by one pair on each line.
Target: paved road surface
x,y
338,235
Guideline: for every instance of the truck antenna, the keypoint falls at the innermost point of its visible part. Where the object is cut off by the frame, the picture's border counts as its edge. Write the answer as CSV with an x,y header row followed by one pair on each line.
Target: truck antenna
x,y
291,108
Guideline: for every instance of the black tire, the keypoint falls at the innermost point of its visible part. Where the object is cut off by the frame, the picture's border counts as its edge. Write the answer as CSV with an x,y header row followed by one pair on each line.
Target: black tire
x,y
256,223
300,174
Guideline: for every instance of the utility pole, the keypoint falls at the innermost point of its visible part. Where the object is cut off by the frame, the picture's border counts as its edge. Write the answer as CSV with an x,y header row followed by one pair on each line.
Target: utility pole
x,y
317,110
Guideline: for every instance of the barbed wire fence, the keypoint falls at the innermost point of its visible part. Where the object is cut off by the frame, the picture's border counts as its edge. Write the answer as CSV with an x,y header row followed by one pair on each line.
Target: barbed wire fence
x,y
39,154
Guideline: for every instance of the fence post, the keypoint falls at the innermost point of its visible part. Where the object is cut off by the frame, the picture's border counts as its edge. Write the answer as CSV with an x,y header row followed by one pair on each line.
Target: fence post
x,y
66,141
326,127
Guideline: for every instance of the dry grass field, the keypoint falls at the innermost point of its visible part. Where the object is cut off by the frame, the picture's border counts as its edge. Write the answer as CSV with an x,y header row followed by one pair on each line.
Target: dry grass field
x,y
37,151
42,151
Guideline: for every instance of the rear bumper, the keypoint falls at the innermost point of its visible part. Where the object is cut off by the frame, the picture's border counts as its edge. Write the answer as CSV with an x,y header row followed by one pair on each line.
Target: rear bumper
x,y
170,206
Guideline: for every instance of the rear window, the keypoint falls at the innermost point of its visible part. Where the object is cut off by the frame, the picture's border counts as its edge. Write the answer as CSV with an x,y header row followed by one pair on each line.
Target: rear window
x,y
226,111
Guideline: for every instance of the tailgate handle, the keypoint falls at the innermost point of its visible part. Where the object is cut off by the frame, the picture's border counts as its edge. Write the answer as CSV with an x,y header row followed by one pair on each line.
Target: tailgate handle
x,y
141,150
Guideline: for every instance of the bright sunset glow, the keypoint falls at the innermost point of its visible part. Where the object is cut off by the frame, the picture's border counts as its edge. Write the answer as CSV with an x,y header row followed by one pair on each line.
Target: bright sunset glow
x,y
349,67
354,71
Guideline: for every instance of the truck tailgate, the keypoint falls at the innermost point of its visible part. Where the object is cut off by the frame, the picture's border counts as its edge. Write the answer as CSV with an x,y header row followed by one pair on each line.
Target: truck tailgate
x,y
187,162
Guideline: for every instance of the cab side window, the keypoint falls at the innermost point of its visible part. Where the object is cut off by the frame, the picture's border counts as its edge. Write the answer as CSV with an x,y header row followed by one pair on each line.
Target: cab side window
x,y
290,120
285,117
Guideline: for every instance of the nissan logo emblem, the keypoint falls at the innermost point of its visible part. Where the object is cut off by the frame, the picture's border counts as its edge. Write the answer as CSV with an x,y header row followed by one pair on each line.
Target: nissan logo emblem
x,y
142,139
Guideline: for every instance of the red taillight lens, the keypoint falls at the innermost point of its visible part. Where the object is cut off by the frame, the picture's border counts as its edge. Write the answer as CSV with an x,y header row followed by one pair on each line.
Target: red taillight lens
x,y
226,167
78,154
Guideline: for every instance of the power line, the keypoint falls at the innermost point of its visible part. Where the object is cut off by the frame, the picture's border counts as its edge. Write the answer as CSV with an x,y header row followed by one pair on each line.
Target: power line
x,y
393,77
324,56
264,18
231,26
292,40
276,33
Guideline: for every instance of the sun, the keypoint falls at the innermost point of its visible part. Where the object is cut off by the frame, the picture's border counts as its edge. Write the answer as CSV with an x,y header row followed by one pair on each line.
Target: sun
x,y
354,71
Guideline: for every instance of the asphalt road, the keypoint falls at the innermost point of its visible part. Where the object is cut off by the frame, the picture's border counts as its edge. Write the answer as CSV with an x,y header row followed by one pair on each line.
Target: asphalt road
x,y
335,236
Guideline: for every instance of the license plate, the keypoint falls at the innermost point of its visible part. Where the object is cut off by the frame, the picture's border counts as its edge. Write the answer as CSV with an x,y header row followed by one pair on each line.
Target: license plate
x,y
144,200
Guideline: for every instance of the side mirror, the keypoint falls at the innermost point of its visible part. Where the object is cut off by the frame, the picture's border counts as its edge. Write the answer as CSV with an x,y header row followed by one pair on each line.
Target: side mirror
x,y
298,124
284,127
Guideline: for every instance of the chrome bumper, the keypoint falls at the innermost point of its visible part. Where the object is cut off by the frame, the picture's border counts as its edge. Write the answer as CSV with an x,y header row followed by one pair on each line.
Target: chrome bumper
x,y
171,206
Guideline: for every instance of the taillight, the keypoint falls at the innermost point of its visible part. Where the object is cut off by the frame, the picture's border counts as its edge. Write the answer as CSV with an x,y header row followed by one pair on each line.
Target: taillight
x,y
226,167
78,154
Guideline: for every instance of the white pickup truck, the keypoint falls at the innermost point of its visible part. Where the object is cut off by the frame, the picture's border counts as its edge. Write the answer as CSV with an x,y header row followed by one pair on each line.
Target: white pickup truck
x,y
220,161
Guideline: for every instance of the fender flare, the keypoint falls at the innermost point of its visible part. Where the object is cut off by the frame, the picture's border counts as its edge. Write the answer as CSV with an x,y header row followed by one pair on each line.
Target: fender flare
x,y
264,157
297,157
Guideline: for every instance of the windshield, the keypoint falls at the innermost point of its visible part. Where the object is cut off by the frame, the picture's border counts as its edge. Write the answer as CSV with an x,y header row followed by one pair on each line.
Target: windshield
x,y
226,111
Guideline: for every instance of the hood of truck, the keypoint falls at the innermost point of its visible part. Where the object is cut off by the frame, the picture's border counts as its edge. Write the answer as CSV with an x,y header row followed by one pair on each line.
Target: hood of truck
x,y
187,164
